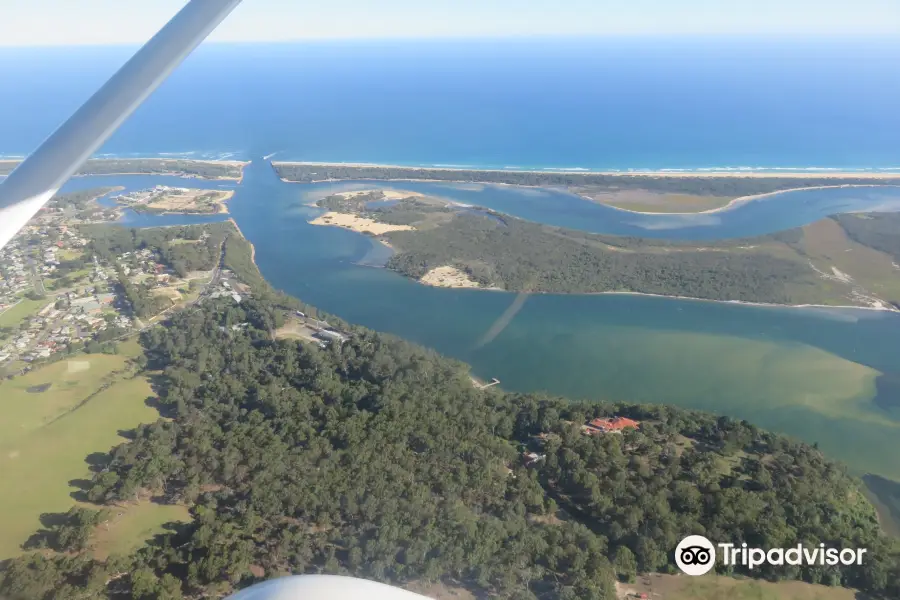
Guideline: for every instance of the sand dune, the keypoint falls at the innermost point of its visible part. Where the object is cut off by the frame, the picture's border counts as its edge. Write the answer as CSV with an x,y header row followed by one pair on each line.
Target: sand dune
x,y
448,276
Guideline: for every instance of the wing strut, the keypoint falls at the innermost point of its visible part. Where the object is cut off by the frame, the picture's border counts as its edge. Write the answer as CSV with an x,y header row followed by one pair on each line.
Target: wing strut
x,y
41,175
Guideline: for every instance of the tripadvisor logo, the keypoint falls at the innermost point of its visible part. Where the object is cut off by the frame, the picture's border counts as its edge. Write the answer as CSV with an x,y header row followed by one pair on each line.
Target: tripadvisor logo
x,y
696,555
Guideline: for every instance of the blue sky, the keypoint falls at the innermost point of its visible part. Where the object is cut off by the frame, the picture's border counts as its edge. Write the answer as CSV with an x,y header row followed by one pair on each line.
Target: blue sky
x,y
65,22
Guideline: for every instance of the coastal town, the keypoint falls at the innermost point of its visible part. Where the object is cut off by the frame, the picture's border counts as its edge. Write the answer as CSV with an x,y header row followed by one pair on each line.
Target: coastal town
x,y
57,295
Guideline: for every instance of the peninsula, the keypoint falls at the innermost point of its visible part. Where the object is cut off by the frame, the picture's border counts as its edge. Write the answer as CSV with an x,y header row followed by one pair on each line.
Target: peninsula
x,y
660,191
849,260
176,200
200,169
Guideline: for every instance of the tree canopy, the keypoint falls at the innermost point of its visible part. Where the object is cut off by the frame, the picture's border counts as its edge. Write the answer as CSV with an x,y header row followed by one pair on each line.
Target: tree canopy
x,y
378,458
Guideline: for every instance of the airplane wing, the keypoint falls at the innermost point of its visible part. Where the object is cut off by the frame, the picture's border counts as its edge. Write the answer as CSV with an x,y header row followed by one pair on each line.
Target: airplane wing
x,y
41,175
323,587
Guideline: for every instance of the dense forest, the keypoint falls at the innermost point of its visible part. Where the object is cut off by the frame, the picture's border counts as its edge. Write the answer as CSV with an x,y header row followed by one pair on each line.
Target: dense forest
x,y
880,231
380,459
705,186
517,255
152,166
163,166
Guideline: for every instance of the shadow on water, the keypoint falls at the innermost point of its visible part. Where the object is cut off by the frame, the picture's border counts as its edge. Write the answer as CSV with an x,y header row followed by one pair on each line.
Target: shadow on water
x,y
887,393
885,494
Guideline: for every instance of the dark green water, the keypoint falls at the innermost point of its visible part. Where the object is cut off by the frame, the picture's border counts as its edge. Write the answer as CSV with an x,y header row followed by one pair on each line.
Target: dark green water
x,y
812,373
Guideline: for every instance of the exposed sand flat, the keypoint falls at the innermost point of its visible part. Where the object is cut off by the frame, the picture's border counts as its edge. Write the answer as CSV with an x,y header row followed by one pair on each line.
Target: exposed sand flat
x,y
400,194
729,173
388,193
357,223
449,277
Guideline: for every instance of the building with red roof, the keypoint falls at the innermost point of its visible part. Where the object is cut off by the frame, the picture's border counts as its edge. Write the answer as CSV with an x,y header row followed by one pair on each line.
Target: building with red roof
x,y
601,425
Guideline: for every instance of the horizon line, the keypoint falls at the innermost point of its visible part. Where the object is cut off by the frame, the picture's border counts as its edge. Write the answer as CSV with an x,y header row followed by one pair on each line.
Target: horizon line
x,y
680,36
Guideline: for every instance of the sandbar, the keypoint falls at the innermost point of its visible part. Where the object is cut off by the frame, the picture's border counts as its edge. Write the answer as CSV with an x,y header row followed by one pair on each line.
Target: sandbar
x,y
357,223
389,194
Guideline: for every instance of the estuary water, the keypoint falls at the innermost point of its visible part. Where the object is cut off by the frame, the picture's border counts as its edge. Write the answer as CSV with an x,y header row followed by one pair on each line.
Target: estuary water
x,y
823,375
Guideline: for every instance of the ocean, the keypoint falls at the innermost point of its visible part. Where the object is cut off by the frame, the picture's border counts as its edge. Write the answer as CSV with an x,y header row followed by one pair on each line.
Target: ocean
x,y
604,104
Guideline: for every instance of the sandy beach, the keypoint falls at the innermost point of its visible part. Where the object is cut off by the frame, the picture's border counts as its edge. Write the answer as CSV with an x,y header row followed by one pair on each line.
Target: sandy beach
x,y
449,277
389,194
357,223
655,174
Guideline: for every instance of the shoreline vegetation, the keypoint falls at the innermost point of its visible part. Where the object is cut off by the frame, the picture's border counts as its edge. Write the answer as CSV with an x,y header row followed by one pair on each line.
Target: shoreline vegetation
x,y
442,243
798,174
693,192
228,170
270,473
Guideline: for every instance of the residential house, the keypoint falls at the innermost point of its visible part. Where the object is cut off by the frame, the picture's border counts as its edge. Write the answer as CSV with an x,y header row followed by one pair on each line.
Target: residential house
x,y
610,425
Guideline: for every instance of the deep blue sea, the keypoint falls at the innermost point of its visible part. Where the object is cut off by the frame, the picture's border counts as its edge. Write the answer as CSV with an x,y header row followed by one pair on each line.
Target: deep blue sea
x,y
640,103
825,375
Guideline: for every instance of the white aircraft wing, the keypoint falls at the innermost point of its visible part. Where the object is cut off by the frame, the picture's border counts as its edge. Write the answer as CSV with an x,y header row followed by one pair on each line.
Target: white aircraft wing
x,y
41,175
323,587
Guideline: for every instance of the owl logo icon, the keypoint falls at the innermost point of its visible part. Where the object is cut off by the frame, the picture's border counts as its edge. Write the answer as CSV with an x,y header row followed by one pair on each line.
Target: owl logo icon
x,y
695,555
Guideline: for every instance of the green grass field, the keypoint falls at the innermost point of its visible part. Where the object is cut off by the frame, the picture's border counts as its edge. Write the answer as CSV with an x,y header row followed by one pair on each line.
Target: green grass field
x,y
712,587
79,277
45,438
70,381
653,202
69,254
130,526
827,244
21,311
